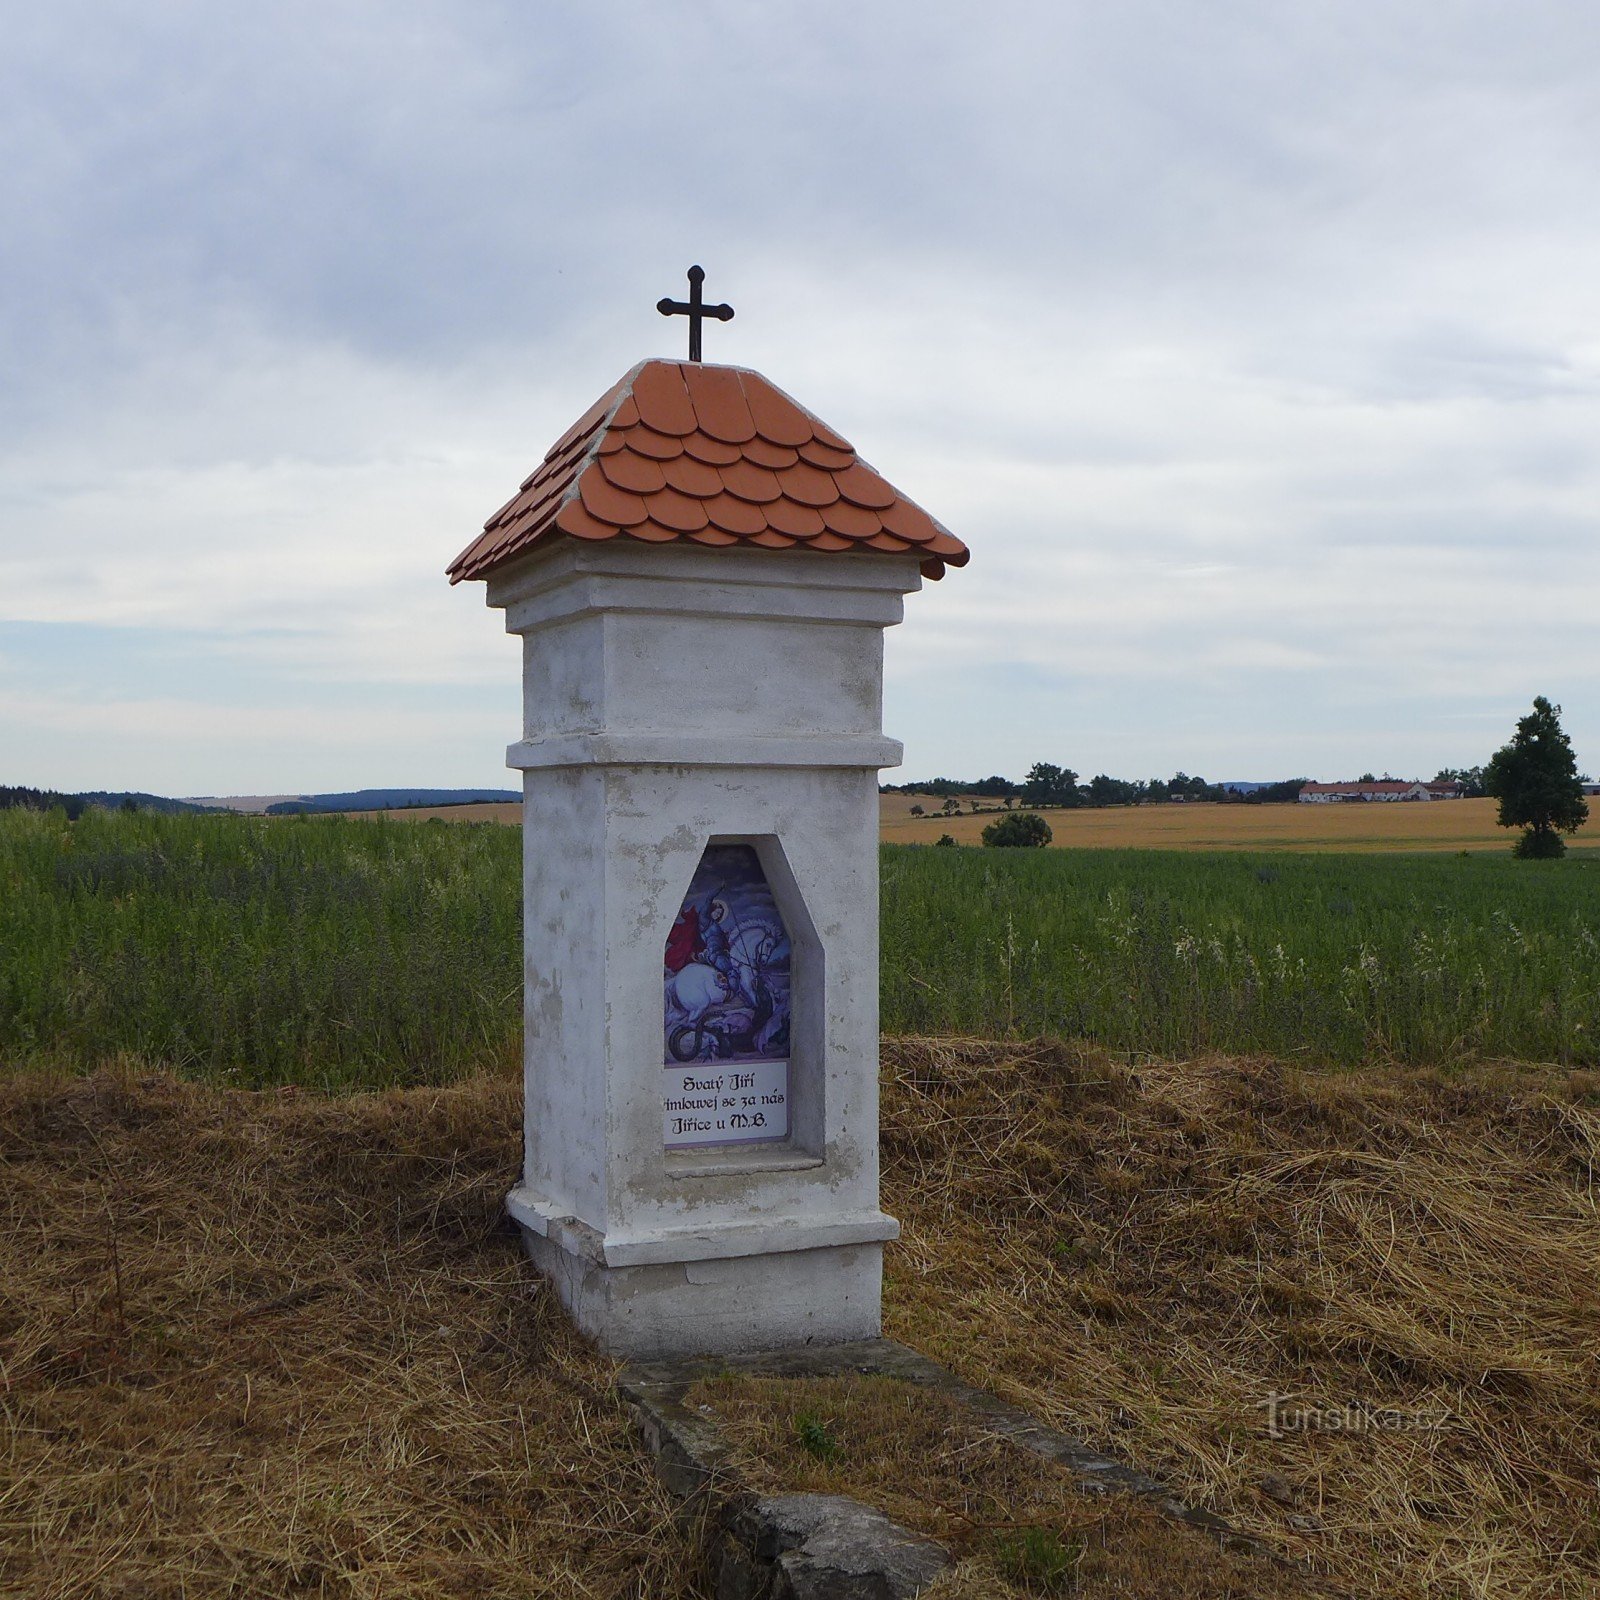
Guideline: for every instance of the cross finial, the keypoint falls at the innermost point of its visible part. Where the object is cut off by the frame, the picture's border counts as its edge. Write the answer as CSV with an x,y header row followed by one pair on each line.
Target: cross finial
x,y
694,310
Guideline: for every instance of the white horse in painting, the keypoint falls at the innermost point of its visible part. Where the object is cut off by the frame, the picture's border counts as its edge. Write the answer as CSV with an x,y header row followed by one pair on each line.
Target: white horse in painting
x,y
695,989
691,991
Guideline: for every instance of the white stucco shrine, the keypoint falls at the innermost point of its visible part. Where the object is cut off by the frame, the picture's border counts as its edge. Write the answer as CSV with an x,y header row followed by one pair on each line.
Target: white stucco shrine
x,y
701,572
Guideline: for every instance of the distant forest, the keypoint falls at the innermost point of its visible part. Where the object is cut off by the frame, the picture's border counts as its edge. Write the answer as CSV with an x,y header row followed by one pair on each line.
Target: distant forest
x,y
75,804
1047,785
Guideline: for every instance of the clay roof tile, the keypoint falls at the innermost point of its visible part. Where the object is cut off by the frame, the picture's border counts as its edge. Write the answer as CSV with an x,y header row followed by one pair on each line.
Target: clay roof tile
x,y
719,403
777,418
851,521
734,515
662,446
662,399
603,500
714,455
862,486
717,454
690,476
789,516
810,485
685,512
825,456
634,472
751,482
766,454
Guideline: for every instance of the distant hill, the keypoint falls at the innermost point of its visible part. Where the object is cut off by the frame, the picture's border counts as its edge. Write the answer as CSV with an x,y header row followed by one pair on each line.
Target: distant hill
x,y
239,802
111,799
271,805
390,800
75,804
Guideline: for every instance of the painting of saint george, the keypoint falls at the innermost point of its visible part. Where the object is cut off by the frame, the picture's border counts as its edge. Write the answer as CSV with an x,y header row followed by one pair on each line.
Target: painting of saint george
x,y
726,966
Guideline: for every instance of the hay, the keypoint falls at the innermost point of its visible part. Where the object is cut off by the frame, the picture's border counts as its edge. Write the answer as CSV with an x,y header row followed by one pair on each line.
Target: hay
x,y
270,1343
273,1344
1144,1257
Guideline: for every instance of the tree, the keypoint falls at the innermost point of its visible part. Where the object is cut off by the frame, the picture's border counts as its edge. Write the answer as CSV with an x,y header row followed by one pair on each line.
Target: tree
x,y
1535,779
1107,791
917,811
993,788
1048,785
1019,830
945,840
1470,779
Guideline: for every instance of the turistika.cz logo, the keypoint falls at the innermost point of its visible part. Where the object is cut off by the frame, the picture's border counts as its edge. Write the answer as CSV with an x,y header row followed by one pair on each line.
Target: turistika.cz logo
x,y
1286,1416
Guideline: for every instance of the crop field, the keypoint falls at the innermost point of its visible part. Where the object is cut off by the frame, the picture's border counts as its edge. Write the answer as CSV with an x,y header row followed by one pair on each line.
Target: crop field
x,y
255,950
1406,826
1325,958
314,950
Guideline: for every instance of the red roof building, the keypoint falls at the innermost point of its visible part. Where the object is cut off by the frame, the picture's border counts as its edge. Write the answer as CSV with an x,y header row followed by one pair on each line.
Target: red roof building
x,y
1376,789
709,455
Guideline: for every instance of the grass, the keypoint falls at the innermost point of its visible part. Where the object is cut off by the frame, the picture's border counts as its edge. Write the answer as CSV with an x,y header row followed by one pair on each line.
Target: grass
x,y
272,1344
1423,959
255,951
1145,1258
261,1343
261,951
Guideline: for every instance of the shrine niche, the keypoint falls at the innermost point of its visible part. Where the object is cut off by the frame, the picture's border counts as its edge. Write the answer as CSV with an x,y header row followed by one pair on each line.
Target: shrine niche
x,y
726,1015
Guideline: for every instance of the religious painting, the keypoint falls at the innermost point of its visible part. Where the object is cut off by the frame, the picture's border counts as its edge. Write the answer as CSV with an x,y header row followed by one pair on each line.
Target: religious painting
x,y
725,980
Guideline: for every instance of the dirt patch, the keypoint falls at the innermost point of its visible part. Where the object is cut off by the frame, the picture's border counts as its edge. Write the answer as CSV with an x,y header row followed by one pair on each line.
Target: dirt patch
x,y
1018,1524
270,1344
1394,1272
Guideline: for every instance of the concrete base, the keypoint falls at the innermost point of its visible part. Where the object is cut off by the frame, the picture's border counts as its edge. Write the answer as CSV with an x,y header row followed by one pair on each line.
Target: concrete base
x,y
662,1311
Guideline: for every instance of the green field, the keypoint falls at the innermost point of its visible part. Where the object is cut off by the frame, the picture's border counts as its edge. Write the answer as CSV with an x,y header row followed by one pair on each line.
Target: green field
x,y
1327,958
332,952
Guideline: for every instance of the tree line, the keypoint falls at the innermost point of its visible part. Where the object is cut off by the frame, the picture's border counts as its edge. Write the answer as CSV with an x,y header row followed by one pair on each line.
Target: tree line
x,y
1049,785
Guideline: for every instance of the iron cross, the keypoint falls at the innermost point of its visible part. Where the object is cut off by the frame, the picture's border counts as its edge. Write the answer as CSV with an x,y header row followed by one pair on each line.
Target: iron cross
x,y
694,310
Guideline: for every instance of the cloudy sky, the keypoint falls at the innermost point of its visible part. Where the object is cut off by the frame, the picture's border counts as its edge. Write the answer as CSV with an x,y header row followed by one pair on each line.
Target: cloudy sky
x,y
1254,349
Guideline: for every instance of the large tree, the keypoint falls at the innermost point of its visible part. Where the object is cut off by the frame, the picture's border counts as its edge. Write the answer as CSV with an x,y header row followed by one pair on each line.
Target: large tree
x,y
1050,785
1535,779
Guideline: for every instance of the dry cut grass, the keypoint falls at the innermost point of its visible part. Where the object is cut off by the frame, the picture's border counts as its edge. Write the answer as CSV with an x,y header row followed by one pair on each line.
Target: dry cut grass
x,y
1145,1257
262,1344
265,1345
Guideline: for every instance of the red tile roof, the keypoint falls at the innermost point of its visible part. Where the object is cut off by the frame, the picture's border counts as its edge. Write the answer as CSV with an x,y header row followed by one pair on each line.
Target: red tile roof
x,y
715,456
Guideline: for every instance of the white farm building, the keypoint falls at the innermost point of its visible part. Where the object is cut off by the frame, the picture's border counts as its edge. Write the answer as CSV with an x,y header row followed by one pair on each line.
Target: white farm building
x,y
1377,789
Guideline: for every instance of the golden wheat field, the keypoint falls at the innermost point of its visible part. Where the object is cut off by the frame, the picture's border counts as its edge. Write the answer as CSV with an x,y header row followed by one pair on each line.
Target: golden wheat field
x,y
1434,825
1419,825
